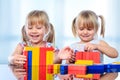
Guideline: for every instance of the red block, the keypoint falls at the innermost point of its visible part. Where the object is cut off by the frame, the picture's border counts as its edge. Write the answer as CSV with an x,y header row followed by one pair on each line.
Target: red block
x,y
26,54
42,64
50,69
26,64
79,56
76,69
25,77
87,55
96,57
96,76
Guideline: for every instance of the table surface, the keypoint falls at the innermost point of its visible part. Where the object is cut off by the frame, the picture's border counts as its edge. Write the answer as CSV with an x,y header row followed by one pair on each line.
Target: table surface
x,y
6,73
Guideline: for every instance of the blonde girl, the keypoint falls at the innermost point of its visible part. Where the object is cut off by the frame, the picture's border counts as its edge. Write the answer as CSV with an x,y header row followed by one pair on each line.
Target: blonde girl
x,y
37,32
85,26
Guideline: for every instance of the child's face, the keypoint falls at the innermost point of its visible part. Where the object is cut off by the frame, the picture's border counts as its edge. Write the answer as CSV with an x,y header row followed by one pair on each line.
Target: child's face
x,y
35,33
86,34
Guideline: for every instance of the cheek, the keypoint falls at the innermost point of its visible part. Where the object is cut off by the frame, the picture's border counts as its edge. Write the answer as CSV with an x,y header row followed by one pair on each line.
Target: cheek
x,y
42,32
93,33
27,32
78,32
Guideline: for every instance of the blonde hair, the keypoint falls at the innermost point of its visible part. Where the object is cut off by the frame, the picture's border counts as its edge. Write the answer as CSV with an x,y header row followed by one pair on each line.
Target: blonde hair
x,y
88,19
37,17
24,35
51,35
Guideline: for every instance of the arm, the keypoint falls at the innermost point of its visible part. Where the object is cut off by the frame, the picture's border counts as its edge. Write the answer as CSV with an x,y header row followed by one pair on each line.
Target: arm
x,y
107,50
103,47
17,57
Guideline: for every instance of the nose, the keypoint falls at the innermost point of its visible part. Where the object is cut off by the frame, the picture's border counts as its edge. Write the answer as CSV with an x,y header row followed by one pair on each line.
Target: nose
x,y
85,31
34,30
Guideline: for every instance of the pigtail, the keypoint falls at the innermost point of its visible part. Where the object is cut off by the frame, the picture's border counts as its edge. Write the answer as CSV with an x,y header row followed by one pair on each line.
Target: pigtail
x,y
73,27
51,35
24,35
102,25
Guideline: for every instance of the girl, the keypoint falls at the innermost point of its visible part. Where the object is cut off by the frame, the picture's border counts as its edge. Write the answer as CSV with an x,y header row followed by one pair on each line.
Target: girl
x,y
37,32
85,26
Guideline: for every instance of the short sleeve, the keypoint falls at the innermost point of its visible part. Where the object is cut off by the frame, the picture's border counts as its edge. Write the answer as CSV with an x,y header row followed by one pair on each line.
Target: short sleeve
x,y
51,45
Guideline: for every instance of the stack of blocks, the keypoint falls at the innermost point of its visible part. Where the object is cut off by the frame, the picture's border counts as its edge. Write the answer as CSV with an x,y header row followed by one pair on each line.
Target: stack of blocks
x,y
39,65
38,59
87,59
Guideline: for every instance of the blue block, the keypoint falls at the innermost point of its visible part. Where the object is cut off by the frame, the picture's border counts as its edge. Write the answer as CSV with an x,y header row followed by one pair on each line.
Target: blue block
x,y
95,69
29,65
110,68
63,69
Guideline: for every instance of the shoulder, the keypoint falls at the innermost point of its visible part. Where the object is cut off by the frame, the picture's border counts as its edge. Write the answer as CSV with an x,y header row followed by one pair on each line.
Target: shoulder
x,y
20,46
18,49
48,44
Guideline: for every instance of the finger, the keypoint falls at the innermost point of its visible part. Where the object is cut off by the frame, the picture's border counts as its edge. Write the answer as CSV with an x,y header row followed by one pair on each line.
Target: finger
x,y
22,73
19,70
85,48
19,61
89,49
71,61
21,56
67,48
22,59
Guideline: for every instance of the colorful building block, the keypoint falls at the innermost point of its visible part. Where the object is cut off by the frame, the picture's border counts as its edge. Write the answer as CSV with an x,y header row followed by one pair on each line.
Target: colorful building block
x,y
95,69
39,65
89,56
84,62
77,69
95,56
111,68
63,69
56,68
38,59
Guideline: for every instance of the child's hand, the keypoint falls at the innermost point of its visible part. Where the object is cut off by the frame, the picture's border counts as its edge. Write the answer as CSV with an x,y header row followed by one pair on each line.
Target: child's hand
x,y
65,77
71,60
19,72
18,59
65,53
90,47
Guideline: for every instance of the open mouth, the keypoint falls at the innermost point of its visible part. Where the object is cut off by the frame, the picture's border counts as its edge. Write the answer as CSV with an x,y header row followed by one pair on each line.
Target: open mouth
x,y
34,36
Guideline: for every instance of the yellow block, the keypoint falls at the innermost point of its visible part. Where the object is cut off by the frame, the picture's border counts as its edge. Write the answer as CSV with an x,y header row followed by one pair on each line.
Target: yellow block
x,y
84,62
116,62
49,57
56,68
49,60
